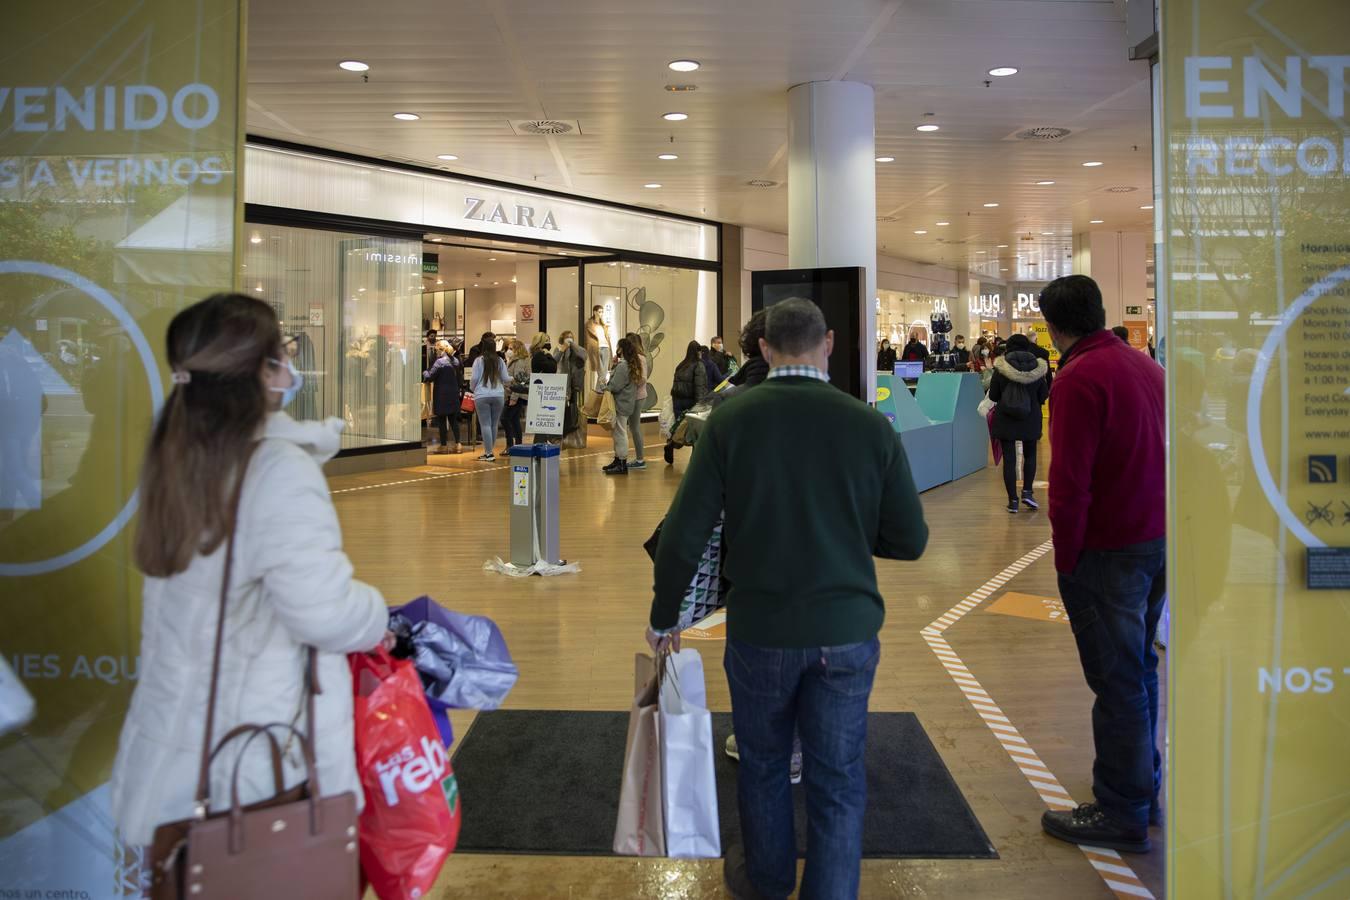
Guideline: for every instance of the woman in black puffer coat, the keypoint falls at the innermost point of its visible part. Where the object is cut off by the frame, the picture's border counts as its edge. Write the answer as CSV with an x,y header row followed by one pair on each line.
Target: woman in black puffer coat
x,y
1019,389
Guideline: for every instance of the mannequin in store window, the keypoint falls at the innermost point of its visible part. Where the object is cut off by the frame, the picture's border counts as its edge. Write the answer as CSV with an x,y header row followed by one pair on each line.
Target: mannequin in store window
x,y
598,350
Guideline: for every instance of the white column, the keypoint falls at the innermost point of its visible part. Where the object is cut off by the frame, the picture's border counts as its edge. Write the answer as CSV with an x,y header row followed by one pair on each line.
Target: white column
x,y
832,192
1118,262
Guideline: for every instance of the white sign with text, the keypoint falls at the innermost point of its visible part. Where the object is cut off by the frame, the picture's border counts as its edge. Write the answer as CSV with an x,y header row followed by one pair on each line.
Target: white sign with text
x,y
548,404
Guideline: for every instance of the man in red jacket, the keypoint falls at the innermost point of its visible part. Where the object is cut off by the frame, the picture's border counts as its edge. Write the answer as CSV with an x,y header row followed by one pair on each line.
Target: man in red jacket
x,y
1108,508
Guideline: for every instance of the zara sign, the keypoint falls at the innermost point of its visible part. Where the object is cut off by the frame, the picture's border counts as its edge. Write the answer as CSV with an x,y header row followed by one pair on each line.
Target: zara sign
x,y
522,217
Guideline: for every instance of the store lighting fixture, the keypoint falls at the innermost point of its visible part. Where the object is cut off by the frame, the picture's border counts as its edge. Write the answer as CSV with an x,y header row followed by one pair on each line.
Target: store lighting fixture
x,y
928,127
652,184
258,289
439,282
1003,71
990,205
435,240
1047,234
513,279
1147,206
675,116
475,284
353,65
1003,246
495,283
885,159
407,117
1044,183
683,65
1092,164
256,239
920,231
492,259
448,157
667,156
1003,270
360,290
944,223
1096,221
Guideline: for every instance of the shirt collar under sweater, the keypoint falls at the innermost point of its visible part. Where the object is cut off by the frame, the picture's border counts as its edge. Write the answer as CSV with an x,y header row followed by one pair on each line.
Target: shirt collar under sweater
x,y
798,372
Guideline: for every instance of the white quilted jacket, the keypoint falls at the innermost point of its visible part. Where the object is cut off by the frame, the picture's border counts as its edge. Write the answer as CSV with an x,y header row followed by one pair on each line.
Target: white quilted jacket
x,y
292,585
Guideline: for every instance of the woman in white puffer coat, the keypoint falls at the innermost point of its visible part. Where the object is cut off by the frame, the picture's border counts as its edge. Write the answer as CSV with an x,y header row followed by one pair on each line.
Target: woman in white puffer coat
x,y
291,583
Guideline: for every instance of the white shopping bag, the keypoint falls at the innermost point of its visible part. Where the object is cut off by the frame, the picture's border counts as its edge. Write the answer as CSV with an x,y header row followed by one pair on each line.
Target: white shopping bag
x,y
688,785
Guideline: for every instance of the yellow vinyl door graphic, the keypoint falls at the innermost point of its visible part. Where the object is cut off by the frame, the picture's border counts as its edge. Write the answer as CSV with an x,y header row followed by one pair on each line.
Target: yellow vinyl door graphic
x,y
1255,156
119,141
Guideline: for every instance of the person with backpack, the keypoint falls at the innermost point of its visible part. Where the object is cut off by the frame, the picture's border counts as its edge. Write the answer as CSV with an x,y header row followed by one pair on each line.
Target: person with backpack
x,y
1019,388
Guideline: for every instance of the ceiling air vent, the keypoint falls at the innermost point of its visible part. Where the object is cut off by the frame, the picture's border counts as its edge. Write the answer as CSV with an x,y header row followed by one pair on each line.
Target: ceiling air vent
x,y
548,127
1040,133
762,183
888,219
1121,189
681,88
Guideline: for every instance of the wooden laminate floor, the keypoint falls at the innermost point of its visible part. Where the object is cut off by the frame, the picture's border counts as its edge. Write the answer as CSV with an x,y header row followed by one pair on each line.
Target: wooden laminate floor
x,y
428,530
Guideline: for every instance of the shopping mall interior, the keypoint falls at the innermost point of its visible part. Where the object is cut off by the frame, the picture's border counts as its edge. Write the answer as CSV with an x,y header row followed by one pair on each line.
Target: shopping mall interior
x,y
396,184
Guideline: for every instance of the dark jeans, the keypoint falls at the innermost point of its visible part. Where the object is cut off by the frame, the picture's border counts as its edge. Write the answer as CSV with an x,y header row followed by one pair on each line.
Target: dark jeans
x,y
822,692
1114,599
1010,466
512,422
453,420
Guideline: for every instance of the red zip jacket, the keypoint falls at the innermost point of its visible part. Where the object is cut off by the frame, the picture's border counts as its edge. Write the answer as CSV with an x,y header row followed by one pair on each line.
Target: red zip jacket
x,y
1108,469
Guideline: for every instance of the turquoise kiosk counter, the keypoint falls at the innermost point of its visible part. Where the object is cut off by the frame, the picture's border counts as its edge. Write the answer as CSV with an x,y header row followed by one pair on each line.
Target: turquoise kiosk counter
x,y
945,436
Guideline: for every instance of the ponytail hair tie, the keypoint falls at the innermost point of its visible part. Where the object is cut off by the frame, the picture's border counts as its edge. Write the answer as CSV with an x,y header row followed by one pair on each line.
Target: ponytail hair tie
x,y
181,376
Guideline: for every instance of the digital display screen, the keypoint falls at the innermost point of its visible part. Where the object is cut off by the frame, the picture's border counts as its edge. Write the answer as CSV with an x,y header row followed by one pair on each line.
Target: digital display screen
x,y
910,371
837,291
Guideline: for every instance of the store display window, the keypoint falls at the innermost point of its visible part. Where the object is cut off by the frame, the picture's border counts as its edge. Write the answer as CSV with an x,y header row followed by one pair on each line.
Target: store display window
x,y
350,307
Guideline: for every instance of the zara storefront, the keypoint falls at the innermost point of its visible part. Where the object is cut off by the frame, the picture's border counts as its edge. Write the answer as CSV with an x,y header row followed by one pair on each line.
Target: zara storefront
x,y
360,256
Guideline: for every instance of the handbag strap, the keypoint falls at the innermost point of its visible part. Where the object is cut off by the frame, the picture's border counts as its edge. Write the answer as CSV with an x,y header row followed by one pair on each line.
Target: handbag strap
x,y
203,777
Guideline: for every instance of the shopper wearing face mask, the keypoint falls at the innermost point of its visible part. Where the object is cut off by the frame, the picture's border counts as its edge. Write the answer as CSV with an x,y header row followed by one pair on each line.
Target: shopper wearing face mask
x,y
221,435
960,353
720,357
446,394
571,361
517,392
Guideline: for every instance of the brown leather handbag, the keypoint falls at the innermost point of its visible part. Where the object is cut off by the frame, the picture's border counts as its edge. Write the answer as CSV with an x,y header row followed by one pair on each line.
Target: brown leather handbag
x,y
297,845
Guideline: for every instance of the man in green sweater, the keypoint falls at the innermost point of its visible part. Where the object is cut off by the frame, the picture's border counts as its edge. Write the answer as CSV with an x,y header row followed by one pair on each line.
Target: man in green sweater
x,y
803,520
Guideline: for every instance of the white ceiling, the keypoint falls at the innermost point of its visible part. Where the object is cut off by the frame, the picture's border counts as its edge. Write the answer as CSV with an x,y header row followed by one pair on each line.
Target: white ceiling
x,y
467,67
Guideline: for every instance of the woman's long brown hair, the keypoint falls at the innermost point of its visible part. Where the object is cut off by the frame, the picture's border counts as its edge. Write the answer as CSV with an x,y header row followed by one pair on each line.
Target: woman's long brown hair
x,y
629,354
205,430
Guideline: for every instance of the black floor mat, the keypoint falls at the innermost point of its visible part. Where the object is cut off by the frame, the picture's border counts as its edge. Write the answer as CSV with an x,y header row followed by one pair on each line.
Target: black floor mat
x,y
547,782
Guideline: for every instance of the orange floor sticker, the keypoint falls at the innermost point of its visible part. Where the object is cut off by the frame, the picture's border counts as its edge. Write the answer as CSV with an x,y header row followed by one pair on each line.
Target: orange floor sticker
x,y
713,628
1030,606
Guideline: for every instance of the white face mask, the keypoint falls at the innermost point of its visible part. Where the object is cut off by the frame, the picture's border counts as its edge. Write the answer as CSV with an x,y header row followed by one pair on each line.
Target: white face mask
x,y
297,381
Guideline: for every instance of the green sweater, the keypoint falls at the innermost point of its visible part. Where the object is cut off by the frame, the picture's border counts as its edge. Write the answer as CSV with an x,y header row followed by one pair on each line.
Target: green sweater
x,y
814,484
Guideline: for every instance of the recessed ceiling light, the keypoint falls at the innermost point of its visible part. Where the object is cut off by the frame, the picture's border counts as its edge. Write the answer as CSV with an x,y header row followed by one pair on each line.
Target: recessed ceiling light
x,y
885,159
1147,206
944,223
683,65
438,281
258,289
920,231
652,184
256,239
1003,246
1047,233
979,252
492,259
990,205
475,284
675,116
353,65
1092,164
926,127
667,156
1096,221
1003,71
407,117
448,157
1003,270
1044,183
496,282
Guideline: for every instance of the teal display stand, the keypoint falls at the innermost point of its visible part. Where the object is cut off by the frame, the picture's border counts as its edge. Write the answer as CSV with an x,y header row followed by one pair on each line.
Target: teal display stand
x,y
955,397
941,428
928,444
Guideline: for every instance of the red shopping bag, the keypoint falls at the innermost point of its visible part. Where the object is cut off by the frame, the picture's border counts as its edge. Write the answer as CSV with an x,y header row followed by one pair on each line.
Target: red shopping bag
x,y
411,820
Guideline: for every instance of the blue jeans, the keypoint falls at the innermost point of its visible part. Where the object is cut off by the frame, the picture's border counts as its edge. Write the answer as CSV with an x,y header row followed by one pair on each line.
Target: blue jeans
x,y
1114,599
822,692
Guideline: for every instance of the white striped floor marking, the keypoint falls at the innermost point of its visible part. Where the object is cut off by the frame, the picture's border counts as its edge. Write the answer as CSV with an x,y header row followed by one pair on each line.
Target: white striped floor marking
x,y
1115,872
